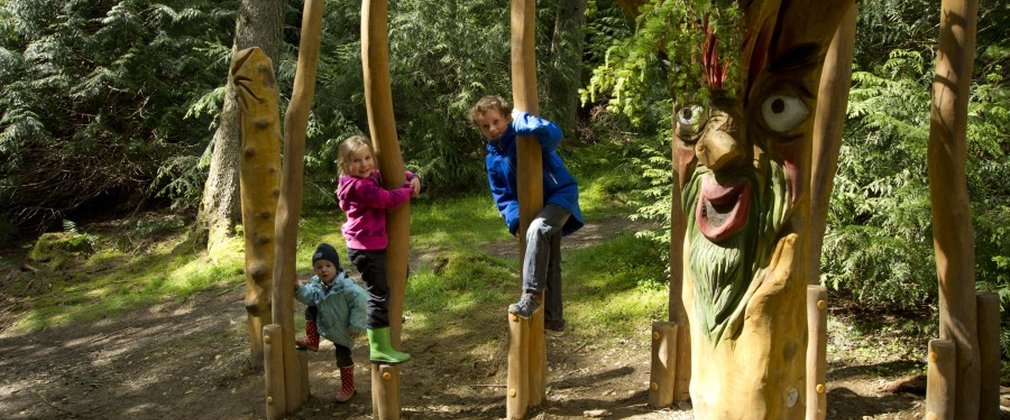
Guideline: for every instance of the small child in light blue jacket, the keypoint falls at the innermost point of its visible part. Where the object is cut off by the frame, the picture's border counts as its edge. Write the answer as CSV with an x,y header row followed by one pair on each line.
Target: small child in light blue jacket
x,y
336,310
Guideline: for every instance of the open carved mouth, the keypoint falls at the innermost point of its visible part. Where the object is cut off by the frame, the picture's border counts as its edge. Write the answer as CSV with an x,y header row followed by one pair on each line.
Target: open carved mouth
x,y
722,208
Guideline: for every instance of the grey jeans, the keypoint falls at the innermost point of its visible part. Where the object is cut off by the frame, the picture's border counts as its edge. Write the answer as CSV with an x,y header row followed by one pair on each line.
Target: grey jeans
x,y
542,263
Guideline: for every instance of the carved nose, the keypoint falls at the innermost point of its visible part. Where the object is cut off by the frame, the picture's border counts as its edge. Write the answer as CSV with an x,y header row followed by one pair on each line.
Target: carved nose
x,y
718,150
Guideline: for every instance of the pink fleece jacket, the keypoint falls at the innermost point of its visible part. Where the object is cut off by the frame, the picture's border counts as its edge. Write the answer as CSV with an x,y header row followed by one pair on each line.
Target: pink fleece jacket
x,y
365,201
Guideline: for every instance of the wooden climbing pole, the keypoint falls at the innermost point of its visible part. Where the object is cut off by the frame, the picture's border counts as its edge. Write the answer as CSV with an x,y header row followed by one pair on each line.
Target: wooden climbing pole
x,y
527,357
833,95
953,385
285,370
382,127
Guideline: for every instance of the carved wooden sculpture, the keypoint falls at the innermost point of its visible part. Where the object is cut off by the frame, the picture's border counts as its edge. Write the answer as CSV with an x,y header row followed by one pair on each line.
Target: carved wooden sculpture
x,y
259,180
743,164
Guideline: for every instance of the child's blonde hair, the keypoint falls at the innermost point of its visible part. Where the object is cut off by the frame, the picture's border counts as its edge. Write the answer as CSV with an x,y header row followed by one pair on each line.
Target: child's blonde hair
x,y
488,103
350,147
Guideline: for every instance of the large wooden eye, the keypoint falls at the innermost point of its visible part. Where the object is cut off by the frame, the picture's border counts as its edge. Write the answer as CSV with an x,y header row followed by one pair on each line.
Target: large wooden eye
x,y
690,120
783,114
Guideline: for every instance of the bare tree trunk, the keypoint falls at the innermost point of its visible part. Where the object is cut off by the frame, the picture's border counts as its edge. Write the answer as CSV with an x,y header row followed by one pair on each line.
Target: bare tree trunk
x,y
566,51
259,24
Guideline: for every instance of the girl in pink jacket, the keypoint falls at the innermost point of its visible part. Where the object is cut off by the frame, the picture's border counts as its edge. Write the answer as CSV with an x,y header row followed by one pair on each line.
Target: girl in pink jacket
x,y
365,201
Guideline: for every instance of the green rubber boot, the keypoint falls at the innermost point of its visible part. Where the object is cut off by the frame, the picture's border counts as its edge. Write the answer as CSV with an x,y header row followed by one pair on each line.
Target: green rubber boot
x,y
381,351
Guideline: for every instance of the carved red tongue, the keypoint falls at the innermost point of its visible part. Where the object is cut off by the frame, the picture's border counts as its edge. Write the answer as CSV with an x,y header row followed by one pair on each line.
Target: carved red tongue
x,y
722,208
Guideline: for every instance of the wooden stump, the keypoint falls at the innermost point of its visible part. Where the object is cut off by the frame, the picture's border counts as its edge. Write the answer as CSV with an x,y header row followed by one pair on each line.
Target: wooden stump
x,y
664,364
385,392
517,390
273,371
940,380
817,349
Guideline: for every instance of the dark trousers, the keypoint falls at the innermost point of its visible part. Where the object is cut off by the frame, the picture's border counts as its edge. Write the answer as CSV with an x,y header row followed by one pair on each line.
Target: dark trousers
x,y
343,354
372,266
542,262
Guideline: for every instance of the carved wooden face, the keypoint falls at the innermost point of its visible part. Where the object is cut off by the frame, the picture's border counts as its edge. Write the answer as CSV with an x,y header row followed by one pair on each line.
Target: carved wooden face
x,y
743,159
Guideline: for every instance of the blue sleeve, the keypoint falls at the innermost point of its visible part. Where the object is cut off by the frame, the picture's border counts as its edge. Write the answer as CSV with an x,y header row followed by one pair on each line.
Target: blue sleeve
x,y
508,204
546,132
309,294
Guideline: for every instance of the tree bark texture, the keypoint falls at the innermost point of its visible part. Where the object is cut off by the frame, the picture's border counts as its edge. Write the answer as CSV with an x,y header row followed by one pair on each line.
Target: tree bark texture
x,y
953,240
259,119
259,24
566,49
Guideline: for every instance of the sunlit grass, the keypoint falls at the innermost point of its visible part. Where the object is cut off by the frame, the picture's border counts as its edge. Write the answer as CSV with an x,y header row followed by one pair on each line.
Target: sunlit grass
x,y
609,287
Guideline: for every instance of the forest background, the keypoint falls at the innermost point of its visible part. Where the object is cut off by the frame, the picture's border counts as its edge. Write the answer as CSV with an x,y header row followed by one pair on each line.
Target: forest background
x,y
108,108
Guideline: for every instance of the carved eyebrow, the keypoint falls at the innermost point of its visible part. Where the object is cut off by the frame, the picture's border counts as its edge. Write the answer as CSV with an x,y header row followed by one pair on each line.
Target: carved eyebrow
x,y
797,57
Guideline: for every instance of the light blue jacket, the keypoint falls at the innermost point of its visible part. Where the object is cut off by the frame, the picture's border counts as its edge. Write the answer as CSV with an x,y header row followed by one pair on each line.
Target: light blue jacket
x,y
342,308
560,188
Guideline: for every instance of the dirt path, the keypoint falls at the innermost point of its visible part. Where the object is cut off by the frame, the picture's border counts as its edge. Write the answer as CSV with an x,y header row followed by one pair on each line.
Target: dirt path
x,y
187,359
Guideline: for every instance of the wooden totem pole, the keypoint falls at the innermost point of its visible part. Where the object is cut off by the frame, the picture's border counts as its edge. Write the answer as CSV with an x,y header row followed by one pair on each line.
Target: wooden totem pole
x,y
259,183
527,355
744,170
381,125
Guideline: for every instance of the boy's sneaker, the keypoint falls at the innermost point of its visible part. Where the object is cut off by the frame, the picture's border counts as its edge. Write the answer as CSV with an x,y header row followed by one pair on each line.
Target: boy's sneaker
x,y
525,307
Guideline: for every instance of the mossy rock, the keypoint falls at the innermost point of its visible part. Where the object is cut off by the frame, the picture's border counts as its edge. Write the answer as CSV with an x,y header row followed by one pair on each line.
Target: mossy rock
x,y
57,246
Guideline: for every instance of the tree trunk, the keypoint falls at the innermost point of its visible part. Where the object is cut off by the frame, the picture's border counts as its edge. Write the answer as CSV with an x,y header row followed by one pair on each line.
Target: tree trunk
x,y
566,51
258,24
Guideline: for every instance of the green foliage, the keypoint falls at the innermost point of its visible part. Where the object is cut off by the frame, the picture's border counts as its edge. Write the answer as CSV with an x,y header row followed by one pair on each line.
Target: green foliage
x,y
94,97
671,33
879,242
464,55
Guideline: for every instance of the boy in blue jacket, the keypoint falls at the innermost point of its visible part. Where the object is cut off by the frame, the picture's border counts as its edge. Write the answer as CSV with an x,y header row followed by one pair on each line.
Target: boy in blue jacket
x,y
336,310
561,215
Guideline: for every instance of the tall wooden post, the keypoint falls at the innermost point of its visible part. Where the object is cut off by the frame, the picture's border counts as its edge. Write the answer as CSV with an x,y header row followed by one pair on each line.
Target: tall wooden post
x,y
953,240
290,204
833,95
530,190
381,125
676,312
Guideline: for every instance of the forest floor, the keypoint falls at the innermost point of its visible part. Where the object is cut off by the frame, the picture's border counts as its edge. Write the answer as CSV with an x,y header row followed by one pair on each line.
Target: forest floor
x,y
188,359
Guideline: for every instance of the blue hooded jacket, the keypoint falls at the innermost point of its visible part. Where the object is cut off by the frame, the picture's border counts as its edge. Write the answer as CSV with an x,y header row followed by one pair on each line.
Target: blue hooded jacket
x,y
342,307
560,188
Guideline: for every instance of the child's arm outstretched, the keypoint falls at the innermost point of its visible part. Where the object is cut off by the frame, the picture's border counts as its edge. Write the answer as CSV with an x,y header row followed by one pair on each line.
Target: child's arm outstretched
x,y
546,132
366,193
308,293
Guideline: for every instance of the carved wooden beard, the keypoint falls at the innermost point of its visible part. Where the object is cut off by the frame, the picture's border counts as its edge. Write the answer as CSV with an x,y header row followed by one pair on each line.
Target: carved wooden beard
x,y
728,231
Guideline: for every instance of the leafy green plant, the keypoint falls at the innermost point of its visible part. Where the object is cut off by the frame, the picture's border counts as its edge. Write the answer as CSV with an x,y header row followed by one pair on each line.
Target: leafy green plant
x,y
670,33
94,97
878,244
